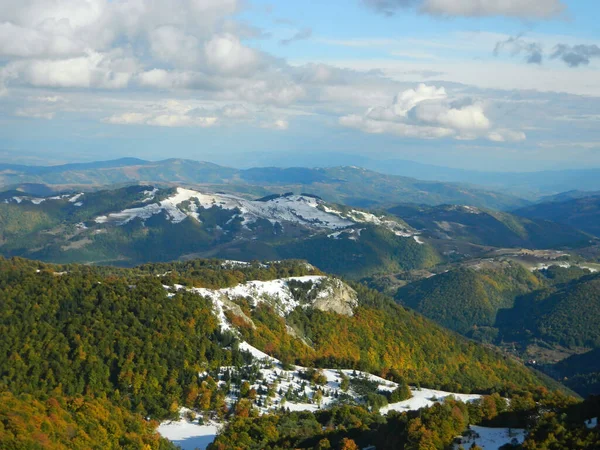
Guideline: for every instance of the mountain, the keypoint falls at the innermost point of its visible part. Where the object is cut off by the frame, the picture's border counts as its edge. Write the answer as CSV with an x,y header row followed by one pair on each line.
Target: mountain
x,y
487,227
349,185
582,213
93,350
529,185
568,195
467,300
566,314
138,224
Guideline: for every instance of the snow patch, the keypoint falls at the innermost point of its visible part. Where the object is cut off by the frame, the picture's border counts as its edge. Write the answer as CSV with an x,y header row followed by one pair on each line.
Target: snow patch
x,y
423,398
75,198
491,438
276,292
188,435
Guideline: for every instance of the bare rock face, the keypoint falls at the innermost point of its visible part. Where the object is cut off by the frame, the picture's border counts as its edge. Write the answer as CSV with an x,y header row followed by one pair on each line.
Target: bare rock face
x,y
336,296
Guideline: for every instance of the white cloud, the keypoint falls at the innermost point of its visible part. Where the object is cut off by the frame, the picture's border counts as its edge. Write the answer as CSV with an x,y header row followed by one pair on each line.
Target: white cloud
x,y
34,113
225,54
538,9
530,9
90,71
506,136
236,111
277,124
368,125
162,120
426,112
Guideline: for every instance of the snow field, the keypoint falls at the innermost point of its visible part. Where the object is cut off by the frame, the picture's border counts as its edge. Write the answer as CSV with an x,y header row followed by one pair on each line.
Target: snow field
x,y
491,438
189,435
276,292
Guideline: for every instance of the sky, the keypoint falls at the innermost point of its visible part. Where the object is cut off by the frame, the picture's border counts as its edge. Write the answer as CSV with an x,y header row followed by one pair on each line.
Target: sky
x,y
502,85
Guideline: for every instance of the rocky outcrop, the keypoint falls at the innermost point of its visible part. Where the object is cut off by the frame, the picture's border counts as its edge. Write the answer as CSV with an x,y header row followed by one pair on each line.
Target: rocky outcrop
x,y
336,296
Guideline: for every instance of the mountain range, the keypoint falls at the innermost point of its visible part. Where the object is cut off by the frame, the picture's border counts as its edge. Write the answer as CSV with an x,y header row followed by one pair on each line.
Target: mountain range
x,y
348,184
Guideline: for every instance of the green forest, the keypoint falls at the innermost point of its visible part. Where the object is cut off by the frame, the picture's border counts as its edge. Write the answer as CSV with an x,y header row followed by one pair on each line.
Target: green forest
x,y
555,422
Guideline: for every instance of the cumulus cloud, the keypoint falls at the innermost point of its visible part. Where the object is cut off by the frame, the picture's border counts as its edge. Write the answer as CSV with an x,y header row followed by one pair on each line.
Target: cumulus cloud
x,y
577,55
95,70
529,9
426,112
227,55
197,49
300,35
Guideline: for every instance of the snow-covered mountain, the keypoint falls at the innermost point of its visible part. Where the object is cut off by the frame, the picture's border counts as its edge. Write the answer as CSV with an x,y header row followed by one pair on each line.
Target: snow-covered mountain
x,y
144,223
304,210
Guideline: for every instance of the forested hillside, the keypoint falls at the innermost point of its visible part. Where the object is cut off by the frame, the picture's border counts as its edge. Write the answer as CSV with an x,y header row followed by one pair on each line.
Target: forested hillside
x,y
79,422
466,299
582,213
554,421
104,337
580,372
567,314
491,228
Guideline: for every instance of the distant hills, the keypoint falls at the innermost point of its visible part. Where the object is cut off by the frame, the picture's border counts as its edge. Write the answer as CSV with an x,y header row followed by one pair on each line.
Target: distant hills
x,y
529,185
490,228
579,212
348,184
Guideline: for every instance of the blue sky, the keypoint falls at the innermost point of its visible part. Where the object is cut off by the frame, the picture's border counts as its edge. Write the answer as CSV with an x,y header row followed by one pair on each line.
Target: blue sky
x,y
492,85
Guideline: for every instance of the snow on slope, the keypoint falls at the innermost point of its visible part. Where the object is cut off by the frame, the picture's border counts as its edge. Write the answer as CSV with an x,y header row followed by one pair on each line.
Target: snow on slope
x,y
304,210
279,295
491,438
188,435
273,373
293,208
423,398
40,200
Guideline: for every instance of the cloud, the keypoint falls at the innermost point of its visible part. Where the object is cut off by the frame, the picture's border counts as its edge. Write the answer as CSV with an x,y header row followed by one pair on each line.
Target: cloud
x,y
577,55
427,113
300,35
572,55
517,45
225,54
34,113
175,113
95,70
169,119
277,124
236,111
526,9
